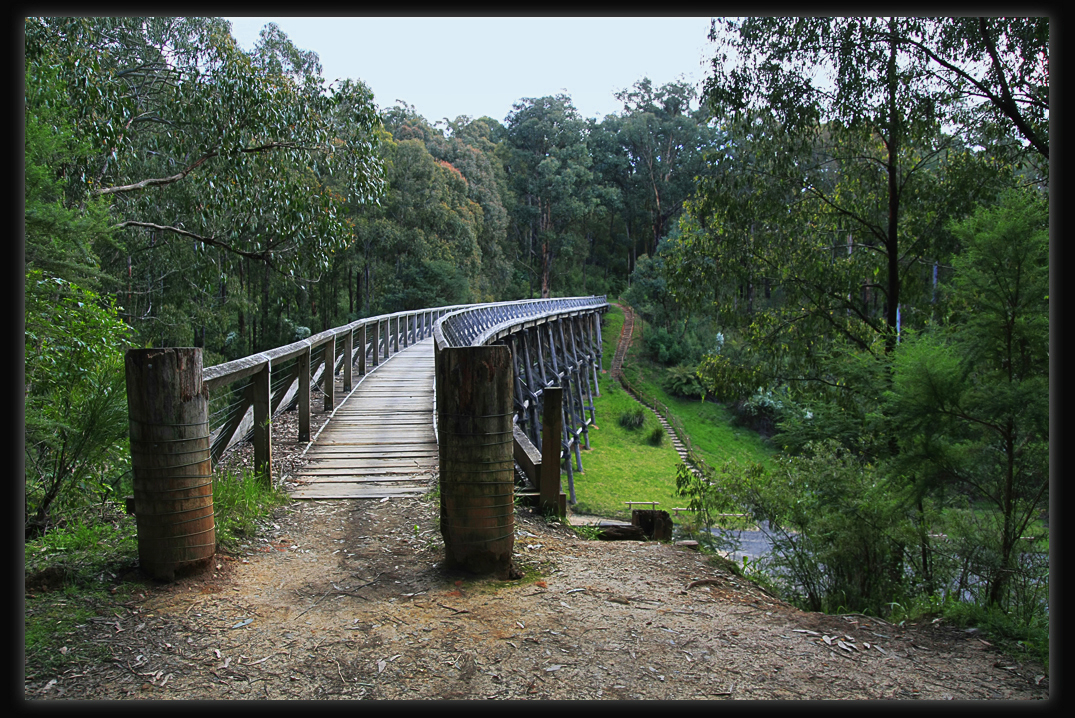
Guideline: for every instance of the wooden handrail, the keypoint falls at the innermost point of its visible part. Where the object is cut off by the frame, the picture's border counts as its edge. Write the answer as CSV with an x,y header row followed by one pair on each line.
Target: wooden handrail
x,y
227,372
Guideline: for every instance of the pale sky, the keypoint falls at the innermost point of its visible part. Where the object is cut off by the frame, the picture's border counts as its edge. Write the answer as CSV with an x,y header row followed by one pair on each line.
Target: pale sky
x,y
451,66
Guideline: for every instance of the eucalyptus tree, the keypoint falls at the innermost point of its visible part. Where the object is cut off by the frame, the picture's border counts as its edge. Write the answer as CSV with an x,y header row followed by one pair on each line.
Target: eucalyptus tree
x,y
614,181
203,143
74,405
834,190
471,147
421,246
664,141
549,166
998,70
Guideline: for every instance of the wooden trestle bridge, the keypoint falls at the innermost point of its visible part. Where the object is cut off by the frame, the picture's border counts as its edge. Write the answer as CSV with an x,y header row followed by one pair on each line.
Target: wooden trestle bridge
x,y
380,440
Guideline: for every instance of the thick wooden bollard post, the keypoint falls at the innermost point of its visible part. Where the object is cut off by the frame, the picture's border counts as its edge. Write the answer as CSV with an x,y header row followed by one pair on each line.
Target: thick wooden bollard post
x,y
477,468
551,430
167,406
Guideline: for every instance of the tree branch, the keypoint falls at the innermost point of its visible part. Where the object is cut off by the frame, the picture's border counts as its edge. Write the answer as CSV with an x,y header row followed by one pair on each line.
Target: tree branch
x,y
257,256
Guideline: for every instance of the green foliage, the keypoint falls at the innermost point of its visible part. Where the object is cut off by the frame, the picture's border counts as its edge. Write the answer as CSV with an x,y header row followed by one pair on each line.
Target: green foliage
x,y
212,161
75,399
78,561
633,419
683,381
727,379
549,163
656,436
1011,634
760,412
590,533
239,502
970,400
829,520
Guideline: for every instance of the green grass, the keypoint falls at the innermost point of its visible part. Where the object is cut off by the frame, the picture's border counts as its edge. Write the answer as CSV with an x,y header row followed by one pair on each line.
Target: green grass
x,y
708,424
89,566
83,564
622,465
239,500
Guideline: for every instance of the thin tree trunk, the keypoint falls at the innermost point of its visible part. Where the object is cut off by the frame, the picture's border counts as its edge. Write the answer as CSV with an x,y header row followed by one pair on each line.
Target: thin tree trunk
x,y
892,240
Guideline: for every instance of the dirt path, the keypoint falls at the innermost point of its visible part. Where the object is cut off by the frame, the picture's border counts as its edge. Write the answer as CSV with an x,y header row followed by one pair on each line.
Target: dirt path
x,y
346,599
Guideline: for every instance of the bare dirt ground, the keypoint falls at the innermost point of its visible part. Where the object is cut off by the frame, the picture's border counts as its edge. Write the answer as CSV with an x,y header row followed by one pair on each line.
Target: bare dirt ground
x,y
348,600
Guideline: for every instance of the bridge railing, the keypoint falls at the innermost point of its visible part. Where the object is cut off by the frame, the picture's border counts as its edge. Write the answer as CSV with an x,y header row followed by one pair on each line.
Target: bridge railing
x,y
484,324
556,347
264,384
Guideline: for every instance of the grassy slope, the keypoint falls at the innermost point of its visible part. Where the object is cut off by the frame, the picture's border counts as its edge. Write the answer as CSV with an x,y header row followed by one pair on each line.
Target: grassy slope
x,y
621,466
708,424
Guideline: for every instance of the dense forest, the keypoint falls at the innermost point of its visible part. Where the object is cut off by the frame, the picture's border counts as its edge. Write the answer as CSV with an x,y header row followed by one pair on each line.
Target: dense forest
x,y
843,234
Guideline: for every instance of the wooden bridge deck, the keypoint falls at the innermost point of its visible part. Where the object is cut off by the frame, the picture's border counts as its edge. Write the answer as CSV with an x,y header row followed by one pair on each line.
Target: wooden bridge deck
x,y
380,442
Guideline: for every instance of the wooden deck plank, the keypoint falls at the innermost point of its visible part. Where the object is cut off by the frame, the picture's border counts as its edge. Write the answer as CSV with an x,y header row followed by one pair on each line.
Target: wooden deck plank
x,y
380,441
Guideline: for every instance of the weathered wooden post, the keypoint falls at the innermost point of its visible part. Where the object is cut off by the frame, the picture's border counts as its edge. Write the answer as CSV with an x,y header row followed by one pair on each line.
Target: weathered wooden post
x,y
362,350
347,360
551,430
328,379
261,388
167,406
376,343
304,394
477,469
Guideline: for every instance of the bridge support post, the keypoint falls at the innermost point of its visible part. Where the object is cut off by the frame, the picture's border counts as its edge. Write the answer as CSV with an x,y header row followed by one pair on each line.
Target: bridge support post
x,y
477,468
551,430
168,409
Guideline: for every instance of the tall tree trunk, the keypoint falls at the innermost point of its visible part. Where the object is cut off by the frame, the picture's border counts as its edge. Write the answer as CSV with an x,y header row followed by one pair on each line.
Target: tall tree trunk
x,y
892,240
264,303
242,314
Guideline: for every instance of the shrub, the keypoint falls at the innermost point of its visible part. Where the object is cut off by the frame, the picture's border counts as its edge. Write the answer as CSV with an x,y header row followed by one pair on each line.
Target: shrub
x,y
656,437
830,523
683,381
633,419
760,412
